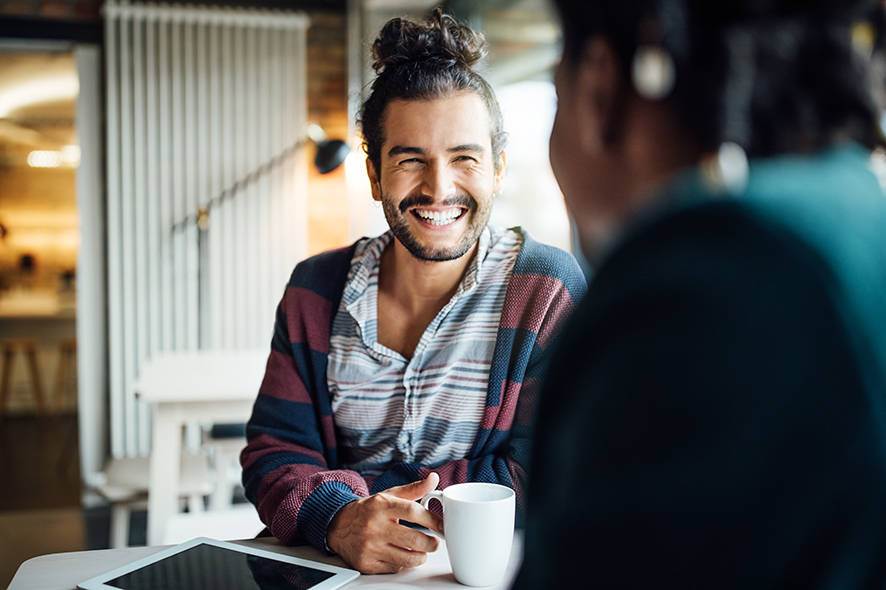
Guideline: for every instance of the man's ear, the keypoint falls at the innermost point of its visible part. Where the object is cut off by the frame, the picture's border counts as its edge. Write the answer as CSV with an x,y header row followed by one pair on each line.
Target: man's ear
x,y
499,172
600,95
373,180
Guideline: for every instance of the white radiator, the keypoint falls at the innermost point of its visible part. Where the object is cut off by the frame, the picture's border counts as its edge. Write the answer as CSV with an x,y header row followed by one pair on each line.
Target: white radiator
x,y
197,100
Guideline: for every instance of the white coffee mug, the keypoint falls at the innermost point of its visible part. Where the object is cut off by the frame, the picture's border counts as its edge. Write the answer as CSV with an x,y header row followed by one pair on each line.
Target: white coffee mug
x,y
478,525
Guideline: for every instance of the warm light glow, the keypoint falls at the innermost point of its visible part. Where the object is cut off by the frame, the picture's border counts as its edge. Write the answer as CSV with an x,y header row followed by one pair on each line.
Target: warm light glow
x,y
58,241
68,156
71,155
366,216
61,86
49,218
355,170
44,159
531,197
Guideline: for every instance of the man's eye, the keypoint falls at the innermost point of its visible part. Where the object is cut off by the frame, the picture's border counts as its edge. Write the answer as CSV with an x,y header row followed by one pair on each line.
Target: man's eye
x,y
409,161
465,159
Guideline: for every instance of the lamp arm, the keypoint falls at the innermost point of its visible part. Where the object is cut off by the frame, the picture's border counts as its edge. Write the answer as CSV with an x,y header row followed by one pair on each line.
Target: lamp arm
x,y
201,216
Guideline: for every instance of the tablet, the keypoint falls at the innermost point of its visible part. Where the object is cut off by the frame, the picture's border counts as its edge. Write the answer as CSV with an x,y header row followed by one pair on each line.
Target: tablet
x,y
207,564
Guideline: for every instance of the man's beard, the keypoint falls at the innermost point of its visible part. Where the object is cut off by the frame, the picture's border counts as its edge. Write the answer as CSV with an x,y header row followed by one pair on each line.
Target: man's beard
x,y
396,216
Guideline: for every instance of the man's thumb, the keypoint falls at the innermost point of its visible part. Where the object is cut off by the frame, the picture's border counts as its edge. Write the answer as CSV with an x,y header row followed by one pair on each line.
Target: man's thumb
x,y
416,489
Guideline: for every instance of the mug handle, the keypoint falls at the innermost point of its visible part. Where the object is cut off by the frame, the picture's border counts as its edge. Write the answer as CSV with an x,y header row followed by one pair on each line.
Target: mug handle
x,y
433,494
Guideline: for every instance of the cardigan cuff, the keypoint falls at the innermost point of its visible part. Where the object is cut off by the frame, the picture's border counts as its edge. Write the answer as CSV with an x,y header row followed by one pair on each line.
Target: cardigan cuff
x,y
320,508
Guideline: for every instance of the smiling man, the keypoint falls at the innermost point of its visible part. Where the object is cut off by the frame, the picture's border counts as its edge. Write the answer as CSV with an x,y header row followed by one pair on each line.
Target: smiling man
x,y
410,359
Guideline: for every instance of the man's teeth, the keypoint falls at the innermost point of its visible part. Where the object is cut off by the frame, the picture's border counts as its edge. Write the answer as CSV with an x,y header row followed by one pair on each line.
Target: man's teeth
x,y
437,217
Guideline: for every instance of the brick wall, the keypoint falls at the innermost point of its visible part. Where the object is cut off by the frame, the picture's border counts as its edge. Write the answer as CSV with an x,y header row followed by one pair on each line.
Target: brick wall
x,y
327,106
56,9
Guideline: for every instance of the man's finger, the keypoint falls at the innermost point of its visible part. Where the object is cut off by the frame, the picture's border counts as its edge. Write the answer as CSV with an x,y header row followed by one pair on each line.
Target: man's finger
x,y
404,558
380,567
417,489
413,540
414,513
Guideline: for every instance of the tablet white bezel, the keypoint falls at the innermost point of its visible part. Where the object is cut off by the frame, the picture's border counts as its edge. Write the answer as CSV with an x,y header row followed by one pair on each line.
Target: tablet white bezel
x,y
341,576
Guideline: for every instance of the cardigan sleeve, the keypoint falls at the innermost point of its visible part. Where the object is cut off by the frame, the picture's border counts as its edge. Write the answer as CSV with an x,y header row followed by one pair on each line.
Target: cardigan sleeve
x,y
289,460
543,289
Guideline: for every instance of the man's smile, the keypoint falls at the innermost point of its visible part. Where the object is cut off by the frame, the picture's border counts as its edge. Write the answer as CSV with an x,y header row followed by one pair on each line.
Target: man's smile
x,y
439,216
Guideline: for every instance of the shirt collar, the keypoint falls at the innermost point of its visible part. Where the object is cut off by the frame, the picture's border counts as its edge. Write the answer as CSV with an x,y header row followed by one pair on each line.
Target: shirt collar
x,y
366,265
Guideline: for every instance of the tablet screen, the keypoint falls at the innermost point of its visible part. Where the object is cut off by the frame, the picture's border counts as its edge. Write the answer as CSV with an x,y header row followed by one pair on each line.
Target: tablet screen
x,y
206,567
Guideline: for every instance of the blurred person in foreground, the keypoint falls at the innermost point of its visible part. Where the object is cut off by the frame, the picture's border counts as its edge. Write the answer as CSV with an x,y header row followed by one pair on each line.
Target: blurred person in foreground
x,y
408,359
714,415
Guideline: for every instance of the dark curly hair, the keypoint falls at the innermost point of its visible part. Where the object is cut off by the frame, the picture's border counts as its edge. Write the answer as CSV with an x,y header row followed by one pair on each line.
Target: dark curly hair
x,y
417,61
775,76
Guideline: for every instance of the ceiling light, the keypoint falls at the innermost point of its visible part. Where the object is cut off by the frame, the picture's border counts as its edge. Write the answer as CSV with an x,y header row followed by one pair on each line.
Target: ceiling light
x,y
63,86
44,159
71,155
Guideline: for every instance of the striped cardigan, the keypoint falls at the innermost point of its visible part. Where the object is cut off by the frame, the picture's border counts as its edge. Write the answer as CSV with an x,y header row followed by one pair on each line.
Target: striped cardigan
x,y
291,469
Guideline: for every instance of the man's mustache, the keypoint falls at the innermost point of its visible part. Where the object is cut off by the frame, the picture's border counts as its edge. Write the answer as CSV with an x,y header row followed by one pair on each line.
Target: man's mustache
x,y
459,200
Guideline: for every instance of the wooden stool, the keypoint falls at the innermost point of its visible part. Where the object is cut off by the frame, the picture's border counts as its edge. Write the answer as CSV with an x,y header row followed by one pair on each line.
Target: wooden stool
x,y
29,348
67,365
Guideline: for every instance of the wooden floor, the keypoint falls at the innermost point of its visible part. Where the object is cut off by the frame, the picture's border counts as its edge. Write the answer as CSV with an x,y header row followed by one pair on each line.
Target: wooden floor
x,y
40,508
40,462
28,533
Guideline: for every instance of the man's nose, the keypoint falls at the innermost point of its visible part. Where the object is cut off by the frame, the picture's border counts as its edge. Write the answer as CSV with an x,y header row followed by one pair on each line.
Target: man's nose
x,y
438,181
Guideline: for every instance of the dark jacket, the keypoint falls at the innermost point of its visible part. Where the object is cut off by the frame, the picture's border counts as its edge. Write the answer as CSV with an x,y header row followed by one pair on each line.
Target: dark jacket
x,y
714,413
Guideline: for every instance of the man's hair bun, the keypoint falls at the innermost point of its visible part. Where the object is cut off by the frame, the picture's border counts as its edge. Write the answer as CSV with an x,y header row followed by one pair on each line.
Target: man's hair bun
x,y
420,61
441,40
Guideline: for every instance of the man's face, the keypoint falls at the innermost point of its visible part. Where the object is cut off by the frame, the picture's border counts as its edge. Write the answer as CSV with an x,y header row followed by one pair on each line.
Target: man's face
x,y
437,176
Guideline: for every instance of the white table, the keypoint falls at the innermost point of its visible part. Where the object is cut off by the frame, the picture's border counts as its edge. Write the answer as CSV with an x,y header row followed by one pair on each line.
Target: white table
x,y
63,571
185,388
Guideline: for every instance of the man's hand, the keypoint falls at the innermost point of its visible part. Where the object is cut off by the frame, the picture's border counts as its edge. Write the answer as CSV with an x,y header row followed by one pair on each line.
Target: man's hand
x,y
367,534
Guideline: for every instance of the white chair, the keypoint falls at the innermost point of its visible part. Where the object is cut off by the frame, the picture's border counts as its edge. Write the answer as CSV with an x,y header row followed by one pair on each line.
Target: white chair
x,y
125,487
224,442
185,389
